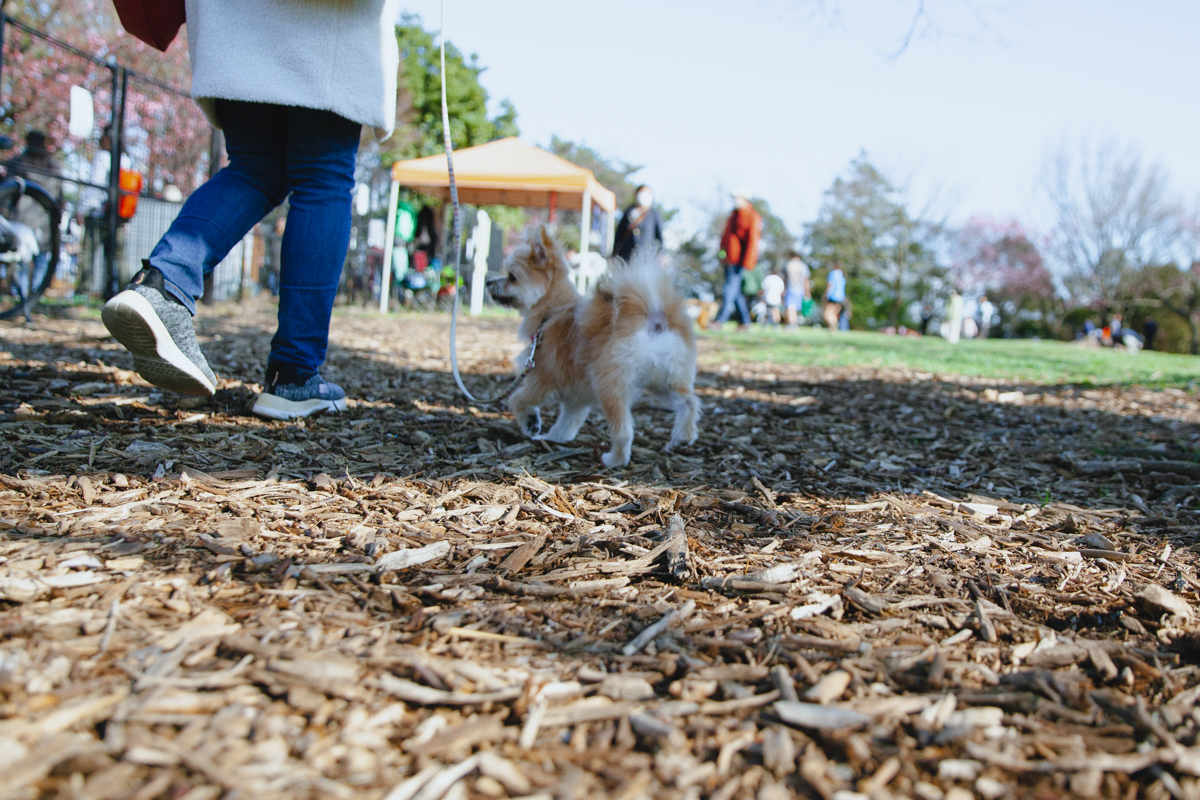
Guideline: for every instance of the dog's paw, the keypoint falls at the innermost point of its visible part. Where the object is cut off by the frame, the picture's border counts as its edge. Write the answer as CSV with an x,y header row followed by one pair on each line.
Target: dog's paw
x,y
531,424
614,459
684,440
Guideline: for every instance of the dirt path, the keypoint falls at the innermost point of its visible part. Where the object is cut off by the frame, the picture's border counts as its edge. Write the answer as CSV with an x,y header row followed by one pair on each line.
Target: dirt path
x,y
866,582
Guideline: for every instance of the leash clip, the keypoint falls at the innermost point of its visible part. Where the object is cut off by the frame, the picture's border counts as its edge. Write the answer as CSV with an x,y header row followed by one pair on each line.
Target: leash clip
x,y
533,343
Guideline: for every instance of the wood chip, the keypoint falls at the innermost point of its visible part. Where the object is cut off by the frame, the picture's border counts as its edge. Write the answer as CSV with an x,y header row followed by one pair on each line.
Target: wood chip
x,y
855,577
809,715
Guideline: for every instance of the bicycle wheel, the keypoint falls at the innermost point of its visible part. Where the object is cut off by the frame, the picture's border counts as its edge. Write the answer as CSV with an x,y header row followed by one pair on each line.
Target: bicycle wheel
x,y
27,270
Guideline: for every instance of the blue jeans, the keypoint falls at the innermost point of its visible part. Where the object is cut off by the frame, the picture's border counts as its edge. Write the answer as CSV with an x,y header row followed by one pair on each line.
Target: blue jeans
x,y
732,296
274,152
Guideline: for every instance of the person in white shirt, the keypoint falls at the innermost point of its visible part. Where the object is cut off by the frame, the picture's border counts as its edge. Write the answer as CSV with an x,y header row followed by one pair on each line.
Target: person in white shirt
x,y
799,289
291,84
772,288
987,311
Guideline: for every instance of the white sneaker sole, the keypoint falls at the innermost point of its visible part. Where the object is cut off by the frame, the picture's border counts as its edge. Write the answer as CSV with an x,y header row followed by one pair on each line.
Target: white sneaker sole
x,y
133,322
274,407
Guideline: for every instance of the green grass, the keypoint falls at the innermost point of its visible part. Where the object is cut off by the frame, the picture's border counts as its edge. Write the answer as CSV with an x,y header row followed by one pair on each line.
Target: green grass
x,y
1004,359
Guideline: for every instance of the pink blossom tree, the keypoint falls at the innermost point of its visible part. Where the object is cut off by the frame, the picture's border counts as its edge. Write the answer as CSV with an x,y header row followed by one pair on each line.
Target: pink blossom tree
x,y
1000,259
167,135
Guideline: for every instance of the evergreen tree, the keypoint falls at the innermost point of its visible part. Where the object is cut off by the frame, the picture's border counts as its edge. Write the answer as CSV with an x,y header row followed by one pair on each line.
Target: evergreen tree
x,y
888,254
612,174
419,106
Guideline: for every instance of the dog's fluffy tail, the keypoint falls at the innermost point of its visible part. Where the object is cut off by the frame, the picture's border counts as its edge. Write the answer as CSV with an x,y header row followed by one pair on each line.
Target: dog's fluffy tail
x,y
642,295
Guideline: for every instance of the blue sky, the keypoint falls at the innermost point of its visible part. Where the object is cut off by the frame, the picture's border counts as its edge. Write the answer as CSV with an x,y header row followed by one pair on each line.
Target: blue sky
x,y
779,96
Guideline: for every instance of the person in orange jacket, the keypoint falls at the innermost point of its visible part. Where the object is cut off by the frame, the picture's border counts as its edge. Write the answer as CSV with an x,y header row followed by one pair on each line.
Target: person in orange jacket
x,y
739,251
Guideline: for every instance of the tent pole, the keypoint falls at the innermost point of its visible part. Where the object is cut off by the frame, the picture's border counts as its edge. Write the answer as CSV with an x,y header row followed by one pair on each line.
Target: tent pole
x,y
610,232
389,241
585,223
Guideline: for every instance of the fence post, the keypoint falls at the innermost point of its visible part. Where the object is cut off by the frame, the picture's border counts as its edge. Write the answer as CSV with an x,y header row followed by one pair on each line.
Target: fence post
x,y
3,31
215,145
389,242
116,147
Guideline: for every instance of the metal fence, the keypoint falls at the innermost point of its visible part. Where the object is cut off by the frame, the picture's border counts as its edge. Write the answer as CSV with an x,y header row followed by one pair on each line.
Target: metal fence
x,y
157,132
153,131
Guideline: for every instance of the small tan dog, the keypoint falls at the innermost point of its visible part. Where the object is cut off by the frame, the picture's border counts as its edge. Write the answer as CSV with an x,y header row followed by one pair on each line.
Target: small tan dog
x,y
631,337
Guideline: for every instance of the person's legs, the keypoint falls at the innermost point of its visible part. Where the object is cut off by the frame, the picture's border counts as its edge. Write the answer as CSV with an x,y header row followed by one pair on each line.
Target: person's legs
x,y
731,295
218,214
152,316
831,313
743,307
321,152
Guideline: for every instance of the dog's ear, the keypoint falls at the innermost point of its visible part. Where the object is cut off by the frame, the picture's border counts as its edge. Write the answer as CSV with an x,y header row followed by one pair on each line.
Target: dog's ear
x,y
547,242
537,244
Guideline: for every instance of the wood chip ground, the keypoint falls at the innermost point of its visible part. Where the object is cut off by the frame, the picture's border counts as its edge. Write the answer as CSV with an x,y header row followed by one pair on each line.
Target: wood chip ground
x,y
858,583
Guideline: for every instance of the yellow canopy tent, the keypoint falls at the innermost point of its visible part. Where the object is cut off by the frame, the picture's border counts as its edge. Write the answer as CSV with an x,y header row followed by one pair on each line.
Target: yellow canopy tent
x,y
504,172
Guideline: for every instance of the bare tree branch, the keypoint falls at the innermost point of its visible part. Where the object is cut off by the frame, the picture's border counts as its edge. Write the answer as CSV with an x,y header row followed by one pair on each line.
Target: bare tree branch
x,y
1114,217
918,15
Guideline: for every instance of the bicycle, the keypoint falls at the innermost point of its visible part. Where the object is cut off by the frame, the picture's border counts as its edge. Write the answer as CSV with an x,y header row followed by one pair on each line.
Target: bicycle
x,y
30,240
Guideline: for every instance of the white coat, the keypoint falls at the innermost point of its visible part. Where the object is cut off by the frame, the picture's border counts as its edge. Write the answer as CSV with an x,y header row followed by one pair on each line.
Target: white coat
x,y
332,55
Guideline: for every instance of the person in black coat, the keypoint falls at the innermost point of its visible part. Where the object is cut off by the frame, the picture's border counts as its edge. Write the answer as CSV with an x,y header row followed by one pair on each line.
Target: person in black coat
x,y
640,226
1150,327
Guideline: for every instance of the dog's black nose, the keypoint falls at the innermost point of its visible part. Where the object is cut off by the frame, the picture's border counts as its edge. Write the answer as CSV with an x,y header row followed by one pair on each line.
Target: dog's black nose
x,y
496,288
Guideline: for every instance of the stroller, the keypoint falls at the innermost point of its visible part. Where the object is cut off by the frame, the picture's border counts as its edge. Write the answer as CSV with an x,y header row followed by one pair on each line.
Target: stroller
x,y
420,284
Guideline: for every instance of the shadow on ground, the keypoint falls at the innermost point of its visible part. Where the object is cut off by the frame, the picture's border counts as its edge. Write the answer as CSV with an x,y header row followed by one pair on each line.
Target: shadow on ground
x,y
196,600
835,432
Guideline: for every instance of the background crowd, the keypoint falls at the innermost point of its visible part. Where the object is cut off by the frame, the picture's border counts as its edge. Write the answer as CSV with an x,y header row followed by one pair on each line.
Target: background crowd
x,y
876,255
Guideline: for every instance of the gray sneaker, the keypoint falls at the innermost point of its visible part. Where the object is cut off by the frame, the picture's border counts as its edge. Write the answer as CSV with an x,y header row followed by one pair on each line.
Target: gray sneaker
x,y
157,330
292,400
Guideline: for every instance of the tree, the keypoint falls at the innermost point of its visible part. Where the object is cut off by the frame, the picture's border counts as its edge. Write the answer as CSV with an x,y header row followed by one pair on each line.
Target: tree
x,y
1001,260
418,130
165,135
962,20
864,224
93,26
612,174
1114,216
699,257
848,227
1178,289
776,243
40,74
419,105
